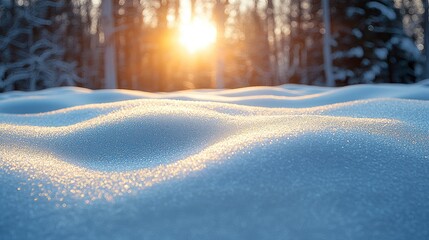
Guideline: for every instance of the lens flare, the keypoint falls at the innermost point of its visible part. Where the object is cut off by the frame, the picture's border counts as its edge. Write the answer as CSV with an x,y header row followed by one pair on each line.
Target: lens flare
x,y
197,35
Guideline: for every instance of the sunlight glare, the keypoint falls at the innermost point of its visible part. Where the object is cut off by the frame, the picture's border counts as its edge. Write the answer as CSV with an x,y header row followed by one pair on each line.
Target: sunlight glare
x,y
197,35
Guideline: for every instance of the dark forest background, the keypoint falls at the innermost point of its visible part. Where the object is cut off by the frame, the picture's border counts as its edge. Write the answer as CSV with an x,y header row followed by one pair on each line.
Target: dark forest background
x,y
47,43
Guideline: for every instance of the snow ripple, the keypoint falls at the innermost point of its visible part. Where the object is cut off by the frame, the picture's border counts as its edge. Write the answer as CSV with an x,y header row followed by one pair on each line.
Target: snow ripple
x,y
197,170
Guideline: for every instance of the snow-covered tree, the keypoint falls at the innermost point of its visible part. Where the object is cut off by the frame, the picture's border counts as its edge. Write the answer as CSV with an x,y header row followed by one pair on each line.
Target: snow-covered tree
x,y
371,45
31,56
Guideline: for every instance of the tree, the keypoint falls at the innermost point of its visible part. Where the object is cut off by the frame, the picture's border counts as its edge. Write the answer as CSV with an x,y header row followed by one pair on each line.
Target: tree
x,y
257,47
32,56
110,46
425,24
327,60
272,39
220,18
371,45
296,43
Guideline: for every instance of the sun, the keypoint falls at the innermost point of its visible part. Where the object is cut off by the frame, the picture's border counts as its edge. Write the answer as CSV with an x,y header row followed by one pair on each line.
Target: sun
x,y
197,34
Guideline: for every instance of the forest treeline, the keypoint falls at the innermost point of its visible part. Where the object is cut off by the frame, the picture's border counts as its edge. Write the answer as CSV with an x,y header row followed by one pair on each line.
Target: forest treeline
x,y
48,43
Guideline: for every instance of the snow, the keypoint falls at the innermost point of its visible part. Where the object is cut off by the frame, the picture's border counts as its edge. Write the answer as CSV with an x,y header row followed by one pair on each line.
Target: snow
x,y
342,74
356,52
381,53
370,75
409,47
351,11
286,162
384,10
357,33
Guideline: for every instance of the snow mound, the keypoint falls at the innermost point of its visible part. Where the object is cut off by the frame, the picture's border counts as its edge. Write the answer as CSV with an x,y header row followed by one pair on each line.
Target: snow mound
x,y
347,163
285,96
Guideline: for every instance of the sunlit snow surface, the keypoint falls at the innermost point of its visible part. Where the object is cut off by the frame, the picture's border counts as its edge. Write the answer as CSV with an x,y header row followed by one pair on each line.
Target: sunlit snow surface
x,y
288,162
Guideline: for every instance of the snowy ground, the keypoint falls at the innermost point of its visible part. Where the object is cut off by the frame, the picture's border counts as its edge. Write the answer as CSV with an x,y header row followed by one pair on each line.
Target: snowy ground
x,y
288,162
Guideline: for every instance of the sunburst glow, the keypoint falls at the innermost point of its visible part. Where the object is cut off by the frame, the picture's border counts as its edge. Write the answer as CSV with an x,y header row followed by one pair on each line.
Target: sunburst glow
x,y
197,35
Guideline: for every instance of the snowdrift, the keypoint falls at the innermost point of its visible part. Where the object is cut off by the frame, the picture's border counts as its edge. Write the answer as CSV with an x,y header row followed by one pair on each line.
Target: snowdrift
x,y
287,162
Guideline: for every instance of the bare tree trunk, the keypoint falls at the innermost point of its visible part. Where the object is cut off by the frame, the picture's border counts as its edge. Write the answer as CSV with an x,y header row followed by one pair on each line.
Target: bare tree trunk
x,y
162,14
31,41
110,48
426,38
219,13
271,30
193,2
327,58
176,11
296,39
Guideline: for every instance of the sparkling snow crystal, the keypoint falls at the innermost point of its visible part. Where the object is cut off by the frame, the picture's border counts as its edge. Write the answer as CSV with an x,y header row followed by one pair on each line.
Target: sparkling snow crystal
x,y
287,162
